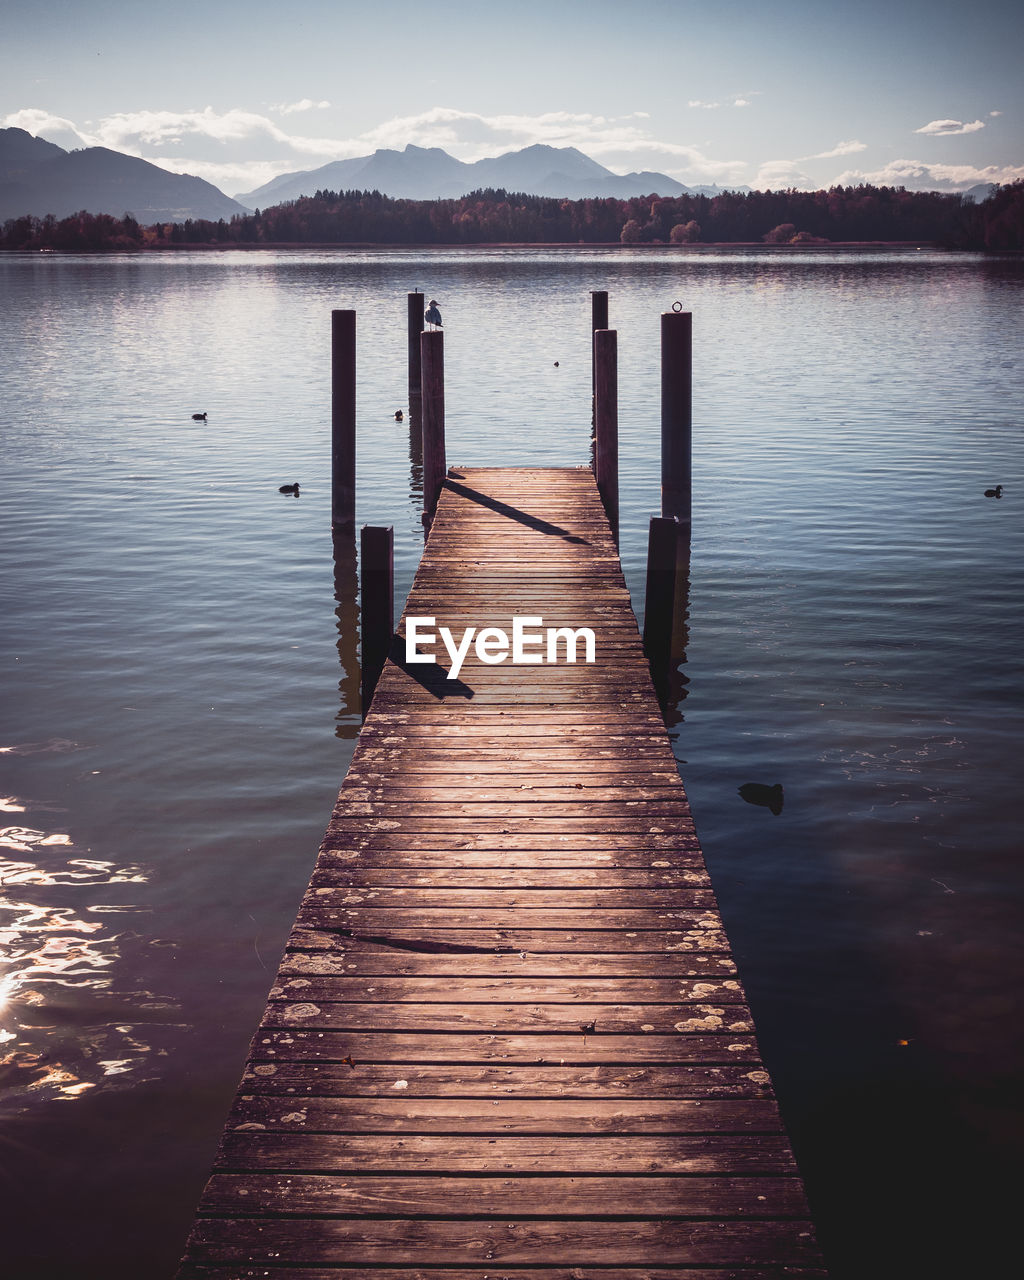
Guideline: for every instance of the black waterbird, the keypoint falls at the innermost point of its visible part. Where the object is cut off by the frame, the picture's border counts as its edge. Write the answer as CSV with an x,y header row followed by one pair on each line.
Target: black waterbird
x,y
759,793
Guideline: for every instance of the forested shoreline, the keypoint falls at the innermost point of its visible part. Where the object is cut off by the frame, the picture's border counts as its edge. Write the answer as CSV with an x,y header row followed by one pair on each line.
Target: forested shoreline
x,y
861,214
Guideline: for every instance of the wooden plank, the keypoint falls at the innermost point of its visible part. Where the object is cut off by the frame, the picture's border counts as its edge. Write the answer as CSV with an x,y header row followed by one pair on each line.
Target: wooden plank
x,y
516,1242
236,1271
477,899
377,919
305,1078
494,1017
361,876
368,1195
546,990
516,1114
369,836
383,1153
303,1044
315,933
311,953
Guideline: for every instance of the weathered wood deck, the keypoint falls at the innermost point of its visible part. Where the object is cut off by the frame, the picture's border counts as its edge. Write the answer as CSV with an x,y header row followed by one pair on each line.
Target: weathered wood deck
x,y
507,1037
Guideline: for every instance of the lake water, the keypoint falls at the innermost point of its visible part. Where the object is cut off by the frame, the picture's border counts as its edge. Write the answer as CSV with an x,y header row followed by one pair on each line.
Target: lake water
x,y
178,714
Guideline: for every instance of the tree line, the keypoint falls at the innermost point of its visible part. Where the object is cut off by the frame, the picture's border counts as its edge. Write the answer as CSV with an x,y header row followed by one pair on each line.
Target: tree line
x,y
839,214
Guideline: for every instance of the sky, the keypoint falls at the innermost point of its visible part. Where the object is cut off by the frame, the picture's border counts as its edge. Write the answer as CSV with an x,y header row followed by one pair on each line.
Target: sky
x,y
926,94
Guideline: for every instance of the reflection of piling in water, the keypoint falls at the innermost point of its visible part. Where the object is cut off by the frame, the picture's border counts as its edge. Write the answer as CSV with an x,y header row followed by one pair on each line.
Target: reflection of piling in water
x,y
666,610
416,450
346,595
377,584
415,314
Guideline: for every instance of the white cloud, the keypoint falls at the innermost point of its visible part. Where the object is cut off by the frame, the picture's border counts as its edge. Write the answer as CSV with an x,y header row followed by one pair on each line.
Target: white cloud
x,y
305,104
949,128
778,175
44,124
742,102
230,178
917,176
707,106
840,149
995,113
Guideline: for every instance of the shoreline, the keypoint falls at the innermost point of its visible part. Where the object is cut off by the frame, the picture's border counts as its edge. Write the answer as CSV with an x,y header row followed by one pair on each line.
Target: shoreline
x,y
575,245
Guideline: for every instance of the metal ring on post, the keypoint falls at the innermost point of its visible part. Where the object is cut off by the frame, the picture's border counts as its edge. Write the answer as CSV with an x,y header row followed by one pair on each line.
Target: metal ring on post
x,y
677,306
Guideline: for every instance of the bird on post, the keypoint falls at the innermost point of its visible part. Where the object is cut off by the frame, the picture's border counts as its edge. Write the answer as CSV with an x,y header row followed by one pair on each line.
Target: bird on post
x,y
432,315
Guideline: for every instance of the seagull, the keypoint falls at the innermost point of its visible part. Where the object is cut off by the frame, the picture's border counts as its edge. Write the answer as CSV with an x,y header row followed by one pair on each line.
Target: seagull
x,y
199,417
432,315
290,488
997,492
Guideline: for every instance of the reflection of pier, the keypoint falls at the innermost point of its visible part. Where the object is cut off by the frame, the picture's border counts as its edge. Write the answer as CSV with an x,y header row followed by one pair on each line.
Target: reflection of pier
x,y
507,1036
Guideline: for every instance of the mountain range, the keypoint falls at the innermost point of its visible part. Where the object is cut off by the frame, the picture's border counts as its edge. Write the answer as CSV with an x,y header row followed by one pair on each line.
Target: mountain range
x,y
39,178
428,173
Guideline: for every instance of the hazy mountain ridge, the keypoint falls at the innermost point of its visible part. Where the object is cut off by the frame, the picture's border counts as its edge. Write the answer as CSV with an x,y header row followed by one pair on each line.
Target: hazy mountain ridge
x,y
40,178
429,173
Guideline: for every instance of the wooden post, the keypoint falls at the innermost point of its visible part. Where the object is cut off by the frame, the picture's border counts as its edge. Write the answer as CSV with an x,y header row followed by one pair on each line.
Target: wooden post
x,y
415,304
343,420
377,589
432,371
606,422
676,414
667,562
598,320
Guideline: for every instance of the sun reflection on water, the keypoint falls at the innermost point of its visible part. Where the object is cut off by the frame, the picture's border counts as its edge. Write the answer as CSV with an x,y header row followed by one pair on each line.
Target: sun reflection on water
x,y
64,1028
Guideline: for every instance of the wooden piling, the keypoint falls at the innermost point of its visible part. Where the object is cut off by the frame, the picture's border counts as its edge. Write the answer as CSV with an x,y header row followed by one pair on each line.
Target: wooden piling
x,y
676,414
343,420
598,320
432,383
377,590
606,423
415,312
598,309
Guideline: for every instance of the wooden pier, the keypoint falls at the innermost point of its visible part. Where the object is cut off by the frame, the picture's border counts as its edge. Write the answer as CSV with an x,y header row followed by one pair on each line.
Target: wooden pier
x,y
507,1037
